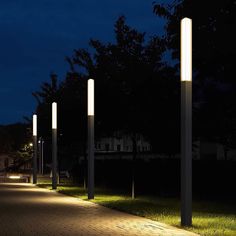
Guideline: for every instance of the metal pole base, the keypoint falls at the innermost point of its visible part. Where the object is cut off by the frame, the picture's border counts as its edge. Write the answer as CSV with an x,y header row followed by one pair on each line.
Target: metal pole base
x,y
54,159
186,153
35,160
90,157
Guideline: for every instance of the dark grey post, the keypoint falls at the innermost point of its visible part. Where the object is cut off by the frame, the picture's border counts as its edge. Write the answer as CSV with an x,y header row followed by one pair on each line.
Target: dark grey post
x,y
35,159
54,158
186,153
90,157
40,154
54,146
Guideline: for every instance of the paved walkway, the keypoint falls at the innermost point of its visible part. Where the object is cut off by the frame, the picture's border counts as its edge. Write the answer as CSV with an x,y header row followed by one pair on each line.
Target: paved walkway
x,y
29,210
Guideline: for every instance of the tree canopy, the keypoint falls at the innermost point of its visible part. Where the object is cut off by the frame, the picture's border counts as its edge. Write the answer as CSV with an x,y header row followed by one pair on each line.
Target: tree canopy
x,y
135,90
214,24
214,52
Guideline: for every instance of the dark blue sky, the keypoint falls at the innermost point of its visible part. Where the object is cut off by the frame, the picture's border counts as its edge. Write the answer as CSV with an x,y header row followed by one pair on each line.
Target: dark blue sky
x,y
36,35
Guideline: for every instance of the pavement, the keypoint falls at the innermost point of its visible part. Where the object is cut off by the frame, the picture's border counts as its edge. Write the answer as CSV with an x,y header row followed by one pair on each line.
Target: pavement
x,y
28,210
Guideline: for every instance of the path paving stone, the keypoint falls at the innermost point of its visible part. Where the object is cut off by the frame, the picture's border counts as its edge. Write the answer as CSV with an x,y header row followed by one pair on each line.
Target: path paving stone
x,y
29,210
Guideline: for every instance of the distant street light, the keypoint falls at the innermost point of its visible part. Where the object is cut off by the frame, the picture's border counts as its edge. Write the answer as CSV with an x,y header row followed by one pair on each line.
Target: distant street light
x,y
54,145
90,139
186,122
35,149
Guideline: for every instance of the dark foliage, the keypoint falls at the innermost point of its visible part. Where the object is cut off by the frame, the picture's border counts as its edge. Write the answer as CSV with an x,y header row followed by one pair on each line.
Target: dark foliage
x,y
214,52
135,91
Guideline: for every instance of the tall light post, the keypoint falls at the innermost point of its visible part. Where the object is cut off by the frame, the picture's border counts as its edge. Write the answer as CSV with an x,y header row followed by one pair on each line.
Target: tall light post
x,y
90,139
186,122
35,149
54,145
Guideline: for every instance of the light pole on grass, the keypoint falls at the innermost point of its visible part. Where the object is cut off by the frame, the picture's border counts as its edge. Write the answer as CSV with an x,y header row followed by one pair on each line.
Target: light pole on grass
x,y
54,145
90,139
35,149
186,122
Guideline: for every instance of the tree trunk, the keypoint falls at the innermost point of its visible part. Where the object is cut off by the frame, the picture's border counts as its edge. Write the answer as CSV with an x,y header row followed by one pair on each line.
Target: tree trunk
x,y
226,153
85,167
133,165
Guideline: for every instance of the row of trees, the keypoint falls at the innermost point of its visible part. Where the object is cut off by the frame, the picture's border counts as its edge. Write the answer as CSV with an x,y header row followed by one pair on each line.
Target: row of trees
x,y
135,91
14,141
214,52
138,92
13,137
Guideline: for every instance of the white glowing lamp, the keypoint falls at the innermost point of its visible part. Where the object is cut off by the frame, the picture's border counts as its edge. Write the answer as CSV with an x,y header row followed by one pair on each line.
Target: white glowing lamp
x,y
90,97
14,177
186,49
34,125
54,115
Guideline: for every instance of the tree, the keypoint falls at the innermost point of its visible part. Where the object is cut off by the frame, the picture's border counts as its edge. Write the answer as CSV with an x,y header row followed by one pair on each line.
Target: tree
x,y
135,90
213,41
131,79
47,94
214,52
13,137
70,96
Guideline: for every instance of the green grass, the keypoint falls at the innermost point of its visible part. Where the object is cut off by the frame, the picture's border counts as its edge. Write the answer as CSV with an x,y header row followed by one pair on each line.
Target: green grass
x,y
209,218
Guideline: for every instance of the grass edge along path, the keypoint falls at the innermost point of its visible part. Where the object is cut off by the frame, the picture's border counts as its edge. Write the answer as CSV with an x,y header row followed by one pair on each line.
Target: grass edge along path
x,y
209,218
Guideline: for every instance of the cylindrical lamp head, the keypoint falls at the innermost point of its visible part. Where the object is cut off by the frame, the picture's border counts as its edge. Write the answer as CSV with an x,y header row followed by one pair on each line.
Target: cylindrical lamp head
x,y
34,125
90,97
186,49
54,115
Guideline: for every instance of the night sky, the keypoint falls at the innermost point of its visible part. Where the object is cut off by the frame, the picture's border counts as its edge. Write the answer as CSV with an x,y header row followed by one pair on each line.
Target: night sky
x,y
37,35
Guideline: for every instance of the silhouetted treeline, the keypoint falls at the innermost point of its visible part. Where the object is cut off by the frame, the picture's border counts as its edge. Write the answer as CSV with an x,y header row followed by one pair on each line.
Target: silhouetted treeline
x,y
13,137
136,91
214,53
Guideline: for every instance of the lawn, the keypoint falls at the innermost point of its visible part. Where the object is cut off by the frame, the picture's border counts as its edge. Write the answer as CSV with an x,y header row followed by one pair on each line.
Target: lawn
x,y
209,218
